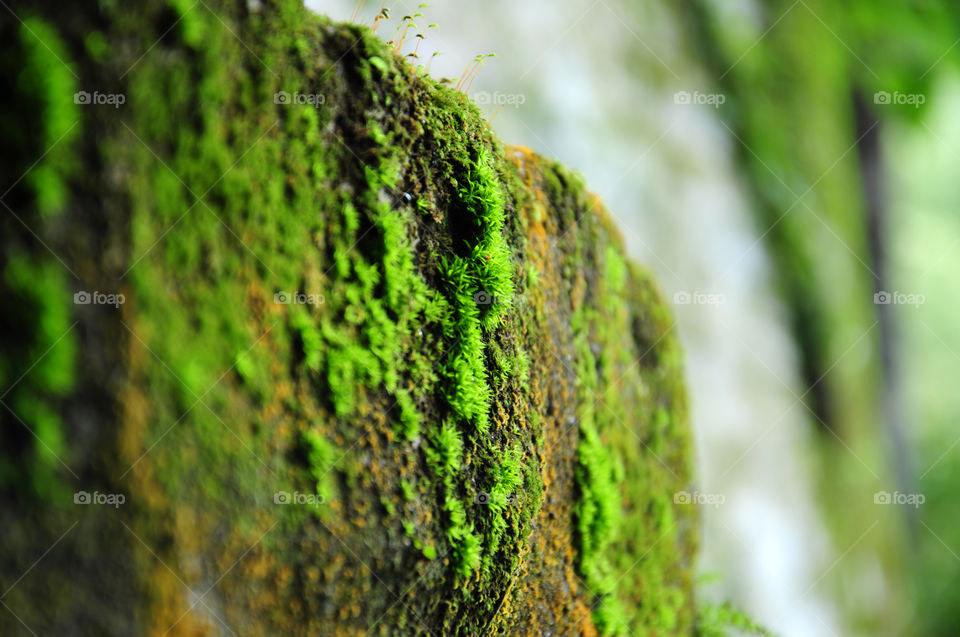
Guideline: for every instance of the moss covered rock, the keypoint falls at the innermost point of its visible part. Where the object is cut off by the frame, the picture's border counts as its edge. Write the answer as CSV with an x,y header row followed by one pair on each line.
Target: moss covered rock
x,y
293,345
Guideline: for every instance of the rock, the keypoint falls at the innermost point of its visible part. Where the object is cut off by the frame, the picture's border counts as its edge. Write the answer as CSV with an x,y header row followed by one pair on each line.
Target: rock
x,y
338,362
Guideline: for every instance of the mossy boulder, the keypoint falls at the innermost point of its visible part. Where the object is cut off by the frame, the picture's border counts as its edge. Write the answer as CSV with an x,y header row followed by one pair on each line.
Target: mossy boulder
x,y
293,345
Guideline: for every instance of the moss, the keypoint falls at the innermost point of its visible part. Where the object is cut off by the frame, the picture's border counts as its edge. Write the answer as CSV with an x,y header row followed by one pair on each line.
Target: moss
x,y
321,454
632,445
37,374
96,46
723,621
367,297
491,270
40,289
598,506
47,82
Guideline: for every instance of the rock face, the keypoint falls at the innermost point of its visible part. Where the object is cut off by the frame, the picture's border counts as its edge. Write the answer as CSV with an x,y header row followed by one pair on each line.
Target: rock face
x,y
294,346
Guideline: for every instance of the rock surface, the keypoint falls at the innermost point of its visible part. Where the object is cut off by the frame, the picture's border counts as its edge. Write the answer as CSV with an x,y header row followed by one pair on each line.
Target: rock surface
x,y
324,356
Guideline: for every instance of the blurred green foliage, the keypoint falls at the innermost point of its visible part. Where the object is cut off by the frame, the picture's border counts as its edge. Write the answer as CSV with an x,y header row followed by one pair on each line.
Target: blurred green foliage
x,y
808,83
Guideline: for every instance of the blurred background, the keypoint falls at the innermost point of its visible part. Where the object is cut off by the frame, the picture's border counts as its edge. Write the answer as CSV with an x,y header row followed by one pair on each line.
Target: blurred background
x,y
787,169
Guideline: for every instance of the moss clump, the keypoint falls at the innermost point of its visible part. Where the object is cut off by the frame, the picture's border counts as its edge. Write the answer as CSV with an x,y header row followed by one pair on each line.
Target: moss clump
x,y
322,456
36,374
48,85
445,454
490,270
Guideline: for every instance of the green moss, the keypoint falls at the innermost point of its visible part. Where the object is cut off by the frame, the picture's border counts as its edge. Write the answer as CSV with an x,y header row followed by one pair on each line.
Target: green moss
x,y
192,27
725,621
41,291
46,426
491,270
504,493
424,379
467,390
630,457
598,508
409,416
37,373
96,46
445,453
383,305
598,515
47,81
